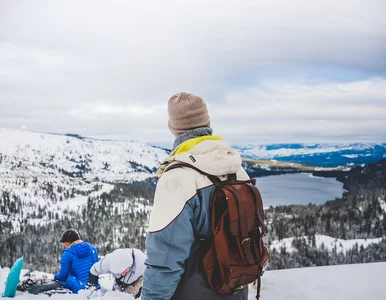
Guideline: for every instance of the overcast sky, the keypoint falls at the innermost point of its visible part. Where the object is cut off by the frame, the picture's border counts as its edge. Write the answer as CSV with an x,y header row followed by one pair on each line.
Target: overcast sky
x,y
270,71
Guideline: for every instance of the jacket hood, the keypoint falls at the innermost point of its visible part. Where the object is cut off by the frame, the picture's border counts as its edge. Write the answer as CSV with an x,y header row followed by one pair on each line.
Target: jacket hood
x,y
81,249
210,154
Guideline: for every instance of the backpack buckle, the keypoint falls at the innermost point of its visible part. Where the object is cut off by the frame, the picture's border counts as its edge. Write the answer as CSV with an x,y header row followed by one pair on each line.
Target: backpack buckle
x,y
238,289
246,240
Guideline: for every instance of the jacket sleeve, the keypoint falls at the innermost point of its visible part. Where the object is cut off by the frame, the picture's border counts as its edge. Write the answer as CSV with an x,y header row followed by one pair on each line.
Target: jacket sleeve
x,y
102,266
140,258
167,251
64,267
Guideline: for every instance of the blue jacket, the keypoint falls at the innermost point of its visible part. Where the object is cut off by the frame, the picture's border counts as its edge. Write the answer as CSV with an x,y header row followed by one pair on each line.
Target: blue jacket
x,y
181,217
75,265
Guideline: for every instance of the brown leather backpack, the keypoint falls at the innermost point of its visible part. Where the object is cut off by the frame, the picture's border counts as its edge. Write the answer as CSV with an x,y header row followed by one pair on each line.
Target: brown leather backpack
x,y
236,255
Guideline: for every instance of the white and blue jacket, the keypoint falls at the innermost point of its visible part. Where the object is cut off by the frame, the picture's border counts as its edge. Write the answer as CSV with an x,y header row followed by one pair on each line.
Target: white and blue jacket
x,y
181,217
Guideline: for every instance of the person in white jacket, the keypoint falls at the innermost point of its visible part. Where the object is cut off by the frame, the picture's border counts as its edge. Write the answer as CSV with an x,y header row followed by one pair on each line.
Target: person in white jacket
x,y
127,265
182,212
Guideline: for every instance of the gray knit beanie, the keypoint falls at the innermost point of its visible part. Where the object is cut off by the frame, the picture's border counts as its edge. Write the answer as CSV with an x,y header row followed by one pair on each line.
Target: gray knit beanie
x,y
186,112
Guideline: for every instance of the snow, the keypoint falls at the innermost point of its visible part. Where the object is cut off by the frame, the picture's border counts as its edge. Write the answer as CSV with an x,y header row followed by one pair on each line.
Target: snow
x,y
38,169
328,242
344,282
350,155
327,155
382,203
109,161
265,151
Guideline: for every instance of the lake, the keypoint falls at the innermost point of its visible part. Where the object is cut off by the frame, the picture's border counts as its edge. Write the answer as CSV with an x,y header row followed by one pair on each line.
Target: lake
x,y
300,188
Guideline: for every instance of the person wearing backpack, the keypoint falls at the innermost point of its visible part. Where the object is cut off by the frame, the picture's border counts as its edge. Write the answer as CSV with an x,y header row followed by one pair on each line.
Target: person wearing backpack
x,y
180,261
127,267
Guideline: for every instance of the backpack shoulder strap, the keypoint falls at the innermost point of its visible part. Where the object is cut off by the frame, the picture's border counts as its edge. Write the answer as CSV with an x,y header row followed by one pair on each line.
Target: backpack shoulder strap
x,y
216,181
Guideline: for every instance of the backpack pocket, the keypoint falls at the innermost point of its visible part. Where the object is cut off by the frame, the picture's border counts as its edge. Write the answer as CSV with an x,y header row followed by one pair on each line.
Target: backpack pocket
x,y
240,276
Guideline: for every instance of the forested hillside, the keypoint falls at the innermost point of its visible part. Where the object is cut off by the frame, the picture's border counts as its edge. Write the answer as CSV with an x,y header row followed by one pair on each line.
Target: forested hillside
x,y
118,218
359,215
49,183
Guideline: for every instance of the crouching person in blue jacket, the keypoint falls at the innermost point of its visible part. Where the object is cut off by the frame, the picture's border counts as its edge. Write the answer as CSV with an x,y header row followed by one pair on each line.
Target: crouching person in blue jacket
x,y
77,259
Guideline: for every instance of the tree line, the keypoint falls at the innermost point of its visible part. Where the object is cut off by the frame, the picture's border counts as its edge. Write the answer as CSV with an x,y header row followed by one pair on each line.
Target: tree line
x,y
119,219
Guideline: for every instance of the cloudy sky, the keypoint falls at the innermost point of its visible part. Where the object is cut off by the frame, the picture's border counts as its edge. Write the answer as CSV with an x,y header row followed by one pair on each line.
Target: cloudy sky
x,y
270,71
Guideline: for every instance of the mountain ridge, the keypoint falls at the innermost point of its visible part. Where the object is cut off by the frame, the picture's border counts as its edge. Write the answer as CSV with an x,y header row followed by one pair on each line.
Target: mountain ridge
x,y
309,155
322,155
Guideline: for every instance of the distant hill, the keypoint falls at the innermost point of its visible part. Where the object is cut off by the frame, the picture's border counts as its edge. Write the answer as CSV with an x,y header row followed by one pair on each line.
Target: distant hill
x,y
92,159
322,155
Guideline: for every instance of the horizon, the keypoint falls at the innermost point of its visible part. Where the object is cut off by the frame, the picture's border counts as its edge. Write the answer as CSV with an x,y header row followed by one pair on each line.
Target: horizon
x,y
168,147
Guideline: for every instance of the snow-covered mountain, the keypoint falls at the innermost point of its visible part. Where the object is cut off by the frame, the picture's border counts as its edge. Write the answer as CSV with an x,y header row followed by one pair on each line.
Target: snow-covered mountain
x,y
92,159
354,282
125,161
105,188
46,176
326,155
53,173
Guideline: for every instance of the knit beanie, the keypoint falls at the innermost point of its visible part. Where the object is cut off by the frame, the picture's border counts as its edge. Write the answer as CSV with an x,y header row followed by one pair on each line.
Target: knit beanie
x,y
69,236
186,112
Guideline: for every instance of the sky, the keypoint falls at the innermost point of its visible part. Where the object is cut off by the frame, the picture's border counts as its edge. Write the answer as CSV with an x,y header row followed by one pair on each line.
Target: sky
x,y
270,71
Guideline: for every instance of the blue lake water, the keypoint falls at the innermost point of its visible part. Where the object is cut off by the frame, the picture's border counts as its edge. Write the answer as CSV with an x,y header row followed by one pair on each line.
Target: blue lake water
x,y
298,189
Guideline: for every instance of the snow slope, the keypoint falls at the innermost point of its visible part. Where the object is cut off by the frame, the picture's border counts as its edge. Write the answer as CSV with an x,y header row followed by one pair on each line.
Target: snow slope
x,y
345,282
108,161
57,173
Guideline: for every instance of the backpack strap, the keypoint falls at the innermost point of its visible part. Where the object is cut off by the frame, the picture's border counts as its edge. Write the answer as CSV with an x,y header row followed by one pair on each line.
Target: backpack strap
x,y
259,212
242,220
243,224
215,180
119,281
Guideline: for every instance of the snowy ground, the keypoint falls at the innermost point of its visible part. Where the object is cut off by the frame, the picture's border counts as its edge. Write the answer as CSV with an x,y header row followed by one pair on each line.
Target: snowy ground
x,y
347,282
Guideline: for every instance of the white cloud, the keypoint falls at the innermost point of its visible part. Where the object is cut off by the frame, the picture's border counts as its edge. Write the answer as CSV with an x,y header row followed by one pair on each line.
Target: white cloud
x,y
105,110
292,111
287,70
